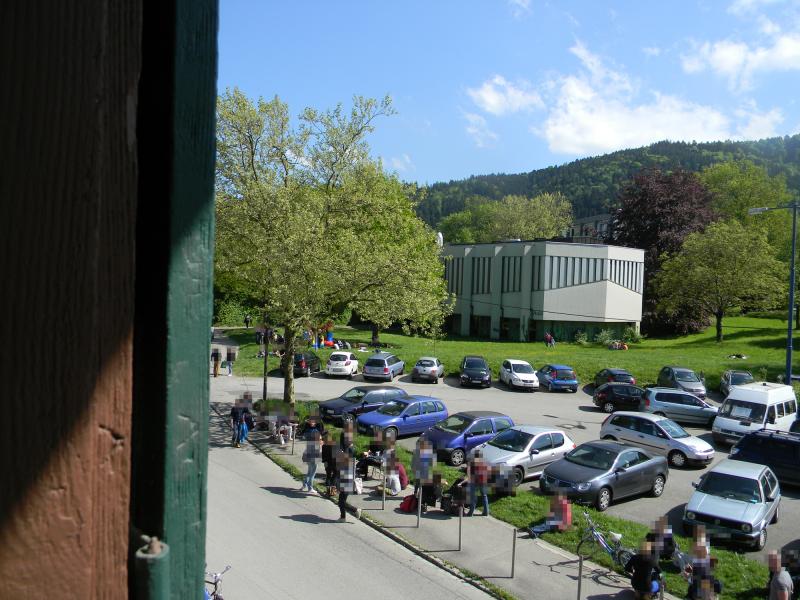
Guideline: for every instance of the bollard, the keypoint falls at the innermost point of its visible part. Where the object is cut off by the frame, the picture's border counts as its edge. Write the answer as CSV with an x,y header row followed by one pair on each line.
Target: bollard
x,y
513,550
293,433
460,517
419,504
580,574
661,582
383,501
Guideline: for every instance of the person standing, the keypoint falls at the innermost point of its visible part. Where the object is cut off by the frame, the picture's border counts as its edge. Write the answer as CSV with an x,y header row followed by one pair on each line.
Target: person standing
x,y
216,358
781,586
237,421
230,357
311,457
478,478
422,463
329,461
247,320
345,468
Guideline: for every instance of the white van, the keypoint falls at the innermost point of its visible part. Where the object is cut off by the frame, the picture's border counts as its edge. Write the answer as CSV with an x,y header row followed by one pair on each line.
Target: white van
x,y
754,406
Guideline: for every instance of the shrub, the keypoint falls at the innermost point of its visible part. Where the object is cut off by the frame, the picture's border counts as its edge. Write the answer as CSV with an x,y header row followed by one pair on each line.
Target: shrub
x,y
231,313
631,335
581,338
605,337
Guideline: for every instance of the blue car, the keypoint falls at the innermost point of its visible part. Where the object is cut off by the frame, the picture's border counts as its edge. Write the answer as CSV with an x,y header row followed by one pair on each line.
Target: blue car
x,y
403,416
456,435
558,377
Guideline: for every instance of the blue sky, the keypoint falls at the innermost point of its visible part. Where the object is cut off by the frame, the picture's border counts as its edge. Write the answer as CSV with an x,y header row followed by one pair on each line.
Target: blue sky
x,y
514,85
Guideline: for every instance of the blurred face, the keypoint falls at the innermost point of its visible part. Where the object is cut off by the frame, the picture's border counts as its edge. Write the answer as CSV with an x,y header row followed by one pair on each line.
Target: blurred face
x,y
774,562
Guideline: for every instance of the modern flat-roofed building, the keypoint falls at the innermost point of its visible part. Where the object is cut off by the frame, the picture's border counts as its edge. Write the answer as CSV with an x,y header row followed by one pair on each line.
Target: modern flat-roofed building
x,y
518,290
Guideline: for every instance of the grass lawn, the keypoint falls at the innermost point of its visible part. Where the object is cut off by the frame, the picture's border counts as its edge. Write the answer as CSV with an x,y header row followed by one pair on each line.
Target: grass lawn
x,y
762,340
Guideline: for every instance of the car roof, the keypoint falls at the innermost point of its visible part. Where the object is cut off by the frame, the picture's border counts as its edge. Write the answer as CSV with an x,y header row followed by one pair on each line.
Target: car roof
x,y
609,445
517,361
641,415
473,356
656,388
678,367
742,371
380,354
773,434
433,358
561,367
617,371
475,414
534,429
416,398
738,467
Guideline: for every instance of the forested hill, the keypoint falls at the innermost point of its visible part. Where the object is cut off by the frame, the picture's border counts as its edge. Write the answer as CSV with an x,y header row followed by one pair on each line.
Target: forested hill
x,y
591,184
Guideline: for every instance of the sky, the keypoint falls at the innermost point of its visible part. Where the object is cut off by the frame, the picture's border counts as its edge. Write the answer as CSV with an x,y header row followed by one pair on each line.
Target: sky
x,y
508,86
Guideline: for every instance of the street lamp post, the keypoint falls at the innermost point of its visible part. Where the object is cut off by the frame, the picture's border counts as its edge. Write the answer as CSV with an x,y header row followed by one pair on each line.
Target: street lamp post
x,y
789,342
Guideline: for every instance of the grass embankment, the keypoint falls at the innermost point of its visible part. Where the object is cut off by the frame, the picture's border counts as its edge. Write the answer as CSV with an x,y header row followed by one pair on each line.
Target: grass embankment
x,y
762,340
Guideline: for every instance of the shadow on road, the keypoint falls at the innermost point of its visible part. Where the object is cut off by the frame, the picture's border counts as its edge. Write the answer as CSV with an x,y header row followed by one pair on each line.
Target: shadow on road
x,y
308,518
284,491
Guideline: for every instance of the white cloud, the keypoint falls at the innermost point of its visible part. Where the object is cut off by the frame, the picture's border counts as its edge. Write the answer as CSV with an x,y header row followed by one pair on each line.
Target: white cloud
x,y
402,163
520,8
479,130
498,96
744,7
758,125
739,62
767,26
651,50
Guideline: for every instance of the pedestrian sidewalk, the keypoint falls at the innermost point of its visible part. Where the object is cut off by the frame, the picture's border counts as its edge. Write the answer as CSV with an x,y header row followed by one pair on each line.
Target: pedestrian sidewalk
x,y
541,570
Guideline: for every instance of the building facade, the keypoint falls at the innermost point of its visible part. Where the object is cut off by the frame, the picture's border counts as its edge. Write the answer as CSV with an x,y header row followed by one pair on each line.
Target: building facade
x,y
518,290
589,230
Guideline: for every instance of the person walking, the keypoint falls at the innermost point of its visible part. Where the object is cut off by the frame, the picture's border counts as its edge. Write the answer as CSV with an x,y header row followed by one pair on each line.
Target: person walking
x,y
238,423
329,450
216,358
230,357
478,478
311,456
781,586
247,320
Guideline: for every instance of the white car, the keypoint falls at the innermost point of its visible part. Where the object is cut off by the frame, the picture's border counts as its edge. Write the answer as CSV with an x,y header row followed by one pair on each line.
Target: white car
x,y
343,364
518,374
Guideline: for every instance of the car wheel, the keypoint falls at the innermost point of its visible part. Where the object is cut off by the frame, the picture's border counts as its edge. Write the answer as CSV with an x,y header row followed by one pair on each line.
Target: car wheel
x,y
435,380
608,407
776,516
603,500
611,438
761,540
457,457
658,486
390,431
519,476
677,458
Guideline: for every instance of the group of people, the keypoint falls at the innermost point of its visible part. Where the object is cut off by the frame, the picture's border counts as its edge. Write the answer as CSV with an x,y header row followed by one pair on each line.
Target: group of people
x,y
216,359
549,340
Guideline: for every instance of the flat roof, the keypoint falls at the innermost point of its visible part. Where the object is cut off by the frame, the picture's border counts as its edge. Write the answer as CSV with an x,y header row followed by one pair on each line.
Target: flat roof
x,y
538,241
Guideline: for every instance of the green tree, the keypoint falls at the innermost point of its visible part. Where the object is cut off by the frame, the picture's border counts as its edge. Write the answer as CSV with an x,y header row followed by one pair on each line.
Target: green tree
x,y
724,267
312,224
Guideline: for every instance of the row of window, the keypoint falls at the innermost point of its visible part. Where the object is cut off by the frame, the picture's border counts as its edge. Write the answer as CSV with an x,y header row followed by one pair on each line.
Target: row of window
x,y
481,274
454,275
512,273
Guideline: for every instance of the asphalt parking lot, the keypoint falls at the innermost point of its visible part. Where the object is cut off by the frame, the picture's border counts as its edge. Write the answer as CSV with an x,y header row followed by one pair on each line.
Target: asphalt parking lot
x,y
580,419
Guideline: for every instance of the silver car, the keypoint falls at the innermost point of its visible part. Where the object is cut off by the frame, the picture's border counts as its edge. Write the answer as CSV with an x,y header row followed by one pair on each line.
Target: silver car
x,y
428,368
678,405
383,365
735,500
733,377
526,450
659,435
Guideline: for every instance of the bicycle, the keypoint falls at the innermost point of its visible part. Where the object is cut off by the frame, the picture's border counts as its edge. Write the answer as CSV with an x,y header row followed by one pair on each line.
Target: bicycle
x,y
618,553
216,581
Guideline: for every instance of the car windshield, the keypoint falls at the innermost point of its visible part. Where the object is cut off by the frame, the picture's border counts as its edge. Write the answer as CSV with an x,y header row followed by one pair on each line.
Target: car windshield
x,y
512,440
730,486
521,368
454,424
424,363
339,357
375,362
354,395
686,375
741,378
393,408
474,363
593,457
743,411
674,430
565,374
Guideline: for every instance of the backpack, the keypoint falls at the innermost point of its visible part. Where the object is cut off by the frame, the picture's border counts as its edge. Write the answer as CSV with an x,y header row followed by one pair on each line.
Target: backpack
x,y
409,504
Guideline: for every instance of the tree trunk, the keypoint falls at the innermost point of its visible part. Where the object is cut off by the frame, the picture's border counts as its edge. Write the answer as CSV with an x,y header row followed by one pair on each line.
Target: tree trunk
x,y
288,365
375,335
718,315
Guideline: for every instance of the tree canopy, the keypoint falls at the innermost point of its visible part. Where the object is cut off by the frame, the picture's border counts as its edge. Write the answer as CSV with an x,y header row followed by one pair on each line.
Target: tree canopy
x,y
726,266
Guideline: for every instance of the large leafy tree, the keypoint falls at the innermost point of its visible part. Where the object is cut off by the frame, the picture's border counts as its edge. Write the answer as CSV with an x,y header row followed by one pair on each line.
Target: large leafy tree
x,y
310,223
724,267
657,210
543,216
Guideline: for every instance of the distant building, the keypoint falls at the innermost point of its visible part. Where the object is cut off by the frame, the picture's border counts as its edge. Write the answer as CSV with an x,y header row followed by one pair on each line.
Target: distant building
x,y
589,230
518,290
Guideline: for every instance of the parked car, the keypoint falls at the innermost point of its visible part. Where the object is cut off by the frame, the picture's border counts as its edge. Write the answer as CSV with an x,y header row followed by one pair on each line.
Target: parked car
x,y
519,374
383,365
735,500
609,397
526,450
343,364
732,377
359,400
429,368
602,471
404,416
558,377
658,435
453,437
682,379
305,363
475,371
678,405
779,450
754,406
611,375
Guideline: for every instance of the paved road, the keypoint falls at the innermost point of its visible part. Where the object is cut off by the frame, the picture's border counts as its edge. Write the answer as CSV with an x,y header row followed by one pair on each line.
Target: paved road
x,y
574,413
283,544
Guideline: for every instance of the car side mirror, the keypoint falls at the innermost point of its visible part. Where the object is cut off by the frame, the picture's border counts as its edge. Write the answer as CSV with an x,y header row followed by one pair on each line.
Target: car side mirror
x,y
534,451
694,484
469,434
620,470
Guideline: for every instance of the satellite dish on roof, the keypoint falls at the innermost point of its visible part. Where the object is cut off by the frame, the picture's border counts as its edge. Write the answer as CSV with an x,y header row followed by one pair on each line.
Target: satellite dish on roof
x,y
440,239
